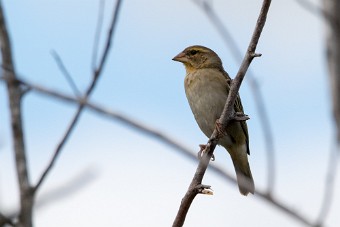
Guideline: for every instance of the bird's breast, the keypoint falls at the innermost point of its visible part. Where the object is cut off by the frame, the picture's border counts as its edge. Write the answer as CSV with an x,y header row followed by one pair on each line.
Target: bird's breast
x,y
206,91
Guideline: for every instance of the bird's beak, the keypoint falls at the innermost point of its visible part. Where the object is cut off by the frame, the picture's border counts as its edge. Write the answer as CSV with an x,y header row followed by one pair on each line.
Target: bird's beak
x,y
180,57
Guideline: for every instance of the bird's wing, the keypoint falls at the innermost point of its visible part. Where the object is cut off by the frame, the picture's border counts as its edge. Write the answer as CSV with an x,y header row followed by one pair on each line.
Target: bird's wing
x,y
238,108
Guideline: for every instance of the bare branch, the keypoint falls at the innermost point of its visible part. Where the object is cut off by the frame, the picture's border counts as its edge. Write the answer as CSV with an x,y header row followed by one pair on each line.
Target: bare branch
x,y
226,116
97,33
15,95
255,88
91,87
5,220
66,73
331,12
329,186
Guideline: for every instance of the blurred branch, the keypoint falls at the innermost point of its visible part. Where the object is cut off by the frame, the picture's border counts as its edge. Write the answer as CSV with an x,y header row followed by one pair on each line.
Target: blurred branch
x,y
63,191
66,73
257,95
309,6
226,116
332,9
96,74
328,194
71,186
329,17
330,13
4,220
15,95
161,137
97,33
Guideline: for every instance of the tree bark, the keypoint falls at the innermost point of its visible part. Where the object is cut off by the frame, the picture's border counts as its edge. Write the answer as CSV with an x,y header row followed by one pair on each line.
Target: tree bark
x,y
15,95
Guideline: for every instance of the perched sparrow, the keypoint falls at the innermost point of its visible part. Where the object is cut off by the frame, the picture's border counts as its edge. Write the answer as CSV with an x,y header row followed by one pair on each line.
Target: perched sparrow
x,y
207,86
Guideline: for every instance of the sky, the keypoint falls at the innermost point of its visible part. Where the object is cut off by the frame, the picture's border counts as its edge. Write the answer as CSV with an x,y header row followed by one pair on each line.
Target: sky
x,y
111,175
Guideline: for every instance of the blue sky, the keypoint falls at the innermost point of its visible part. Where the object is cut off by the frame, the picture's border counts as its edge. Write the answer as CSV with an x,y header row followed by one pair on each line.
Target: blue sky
x,y
134,180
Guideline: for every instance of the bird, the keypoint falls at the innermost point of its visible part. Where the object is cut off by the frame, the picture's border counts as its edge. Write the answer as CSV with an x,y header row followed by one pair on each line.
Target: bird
x,y
207,86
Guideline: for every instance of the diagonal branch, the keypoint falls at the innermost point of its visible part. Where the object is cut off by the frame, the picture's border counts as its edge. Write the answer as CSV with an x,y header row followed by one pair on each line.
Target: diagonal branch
x,y
15,98
226,116
98,33
66,73
96,74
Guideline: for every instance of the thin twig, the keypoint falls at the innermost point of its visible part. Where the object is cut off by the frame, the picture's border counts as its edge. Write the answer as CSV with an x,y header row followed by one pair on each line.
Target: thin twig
x,y
257,95
328,194
98,33
15,98
91,87
224,119
66,73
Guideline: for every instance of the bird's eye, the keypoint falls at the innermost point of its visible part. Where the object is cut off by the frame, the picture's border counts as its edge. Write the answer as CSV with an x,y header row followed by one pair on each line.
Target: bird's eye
x,y
193,52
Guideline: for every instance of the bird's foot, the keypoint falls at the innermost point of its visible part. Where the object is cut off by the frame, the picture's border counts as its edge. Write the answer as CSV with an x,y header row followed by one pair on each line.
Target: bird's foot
x,y
202,150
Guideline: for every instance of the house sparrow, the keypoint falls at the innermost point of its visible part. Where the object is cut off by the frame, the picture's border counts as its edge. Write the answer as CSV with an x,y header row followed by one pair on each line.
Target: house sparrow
x,y
207,86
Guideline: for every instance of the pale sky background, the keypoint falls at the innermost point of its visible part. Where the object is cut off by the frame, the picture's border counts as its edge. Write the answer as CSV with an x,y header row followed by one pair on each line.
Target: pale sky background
x,y
132,180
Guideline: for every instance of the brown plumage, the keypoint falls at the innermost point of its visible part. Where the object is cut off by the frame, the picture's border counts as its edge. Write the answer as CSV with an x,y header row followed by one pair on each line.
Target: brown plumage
x,y
207,86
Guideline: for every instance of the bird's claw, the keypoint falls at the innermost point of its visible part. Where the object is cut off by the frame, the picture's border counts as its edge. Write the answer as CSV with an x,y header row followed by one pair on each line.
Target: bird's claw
x,y
202,150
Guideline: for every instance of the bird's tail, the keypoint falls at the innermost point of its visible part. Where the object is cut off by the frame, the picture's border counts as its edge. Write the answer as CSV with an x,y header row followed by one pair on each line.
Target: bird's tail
x,y
244,178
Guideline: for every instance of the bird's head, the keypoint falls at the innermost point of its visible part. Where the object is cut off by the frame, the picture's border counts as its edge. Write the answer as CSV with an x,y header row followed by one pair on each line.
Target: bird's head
x,y
198,57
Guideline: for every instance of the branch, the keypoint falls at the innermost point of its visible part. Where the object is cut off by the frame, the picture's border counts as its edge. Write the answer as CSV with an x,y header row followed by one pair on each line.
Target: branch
x,y
4,220
97,33
257,95
15,95
331,10
96,74
328,195
66,73
226,116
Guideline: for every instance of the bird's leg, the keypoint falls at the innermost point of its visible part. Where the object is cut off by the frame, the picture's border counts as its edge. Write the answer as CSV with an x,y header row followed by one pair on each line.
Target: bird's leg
x,y
202,149
220,129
